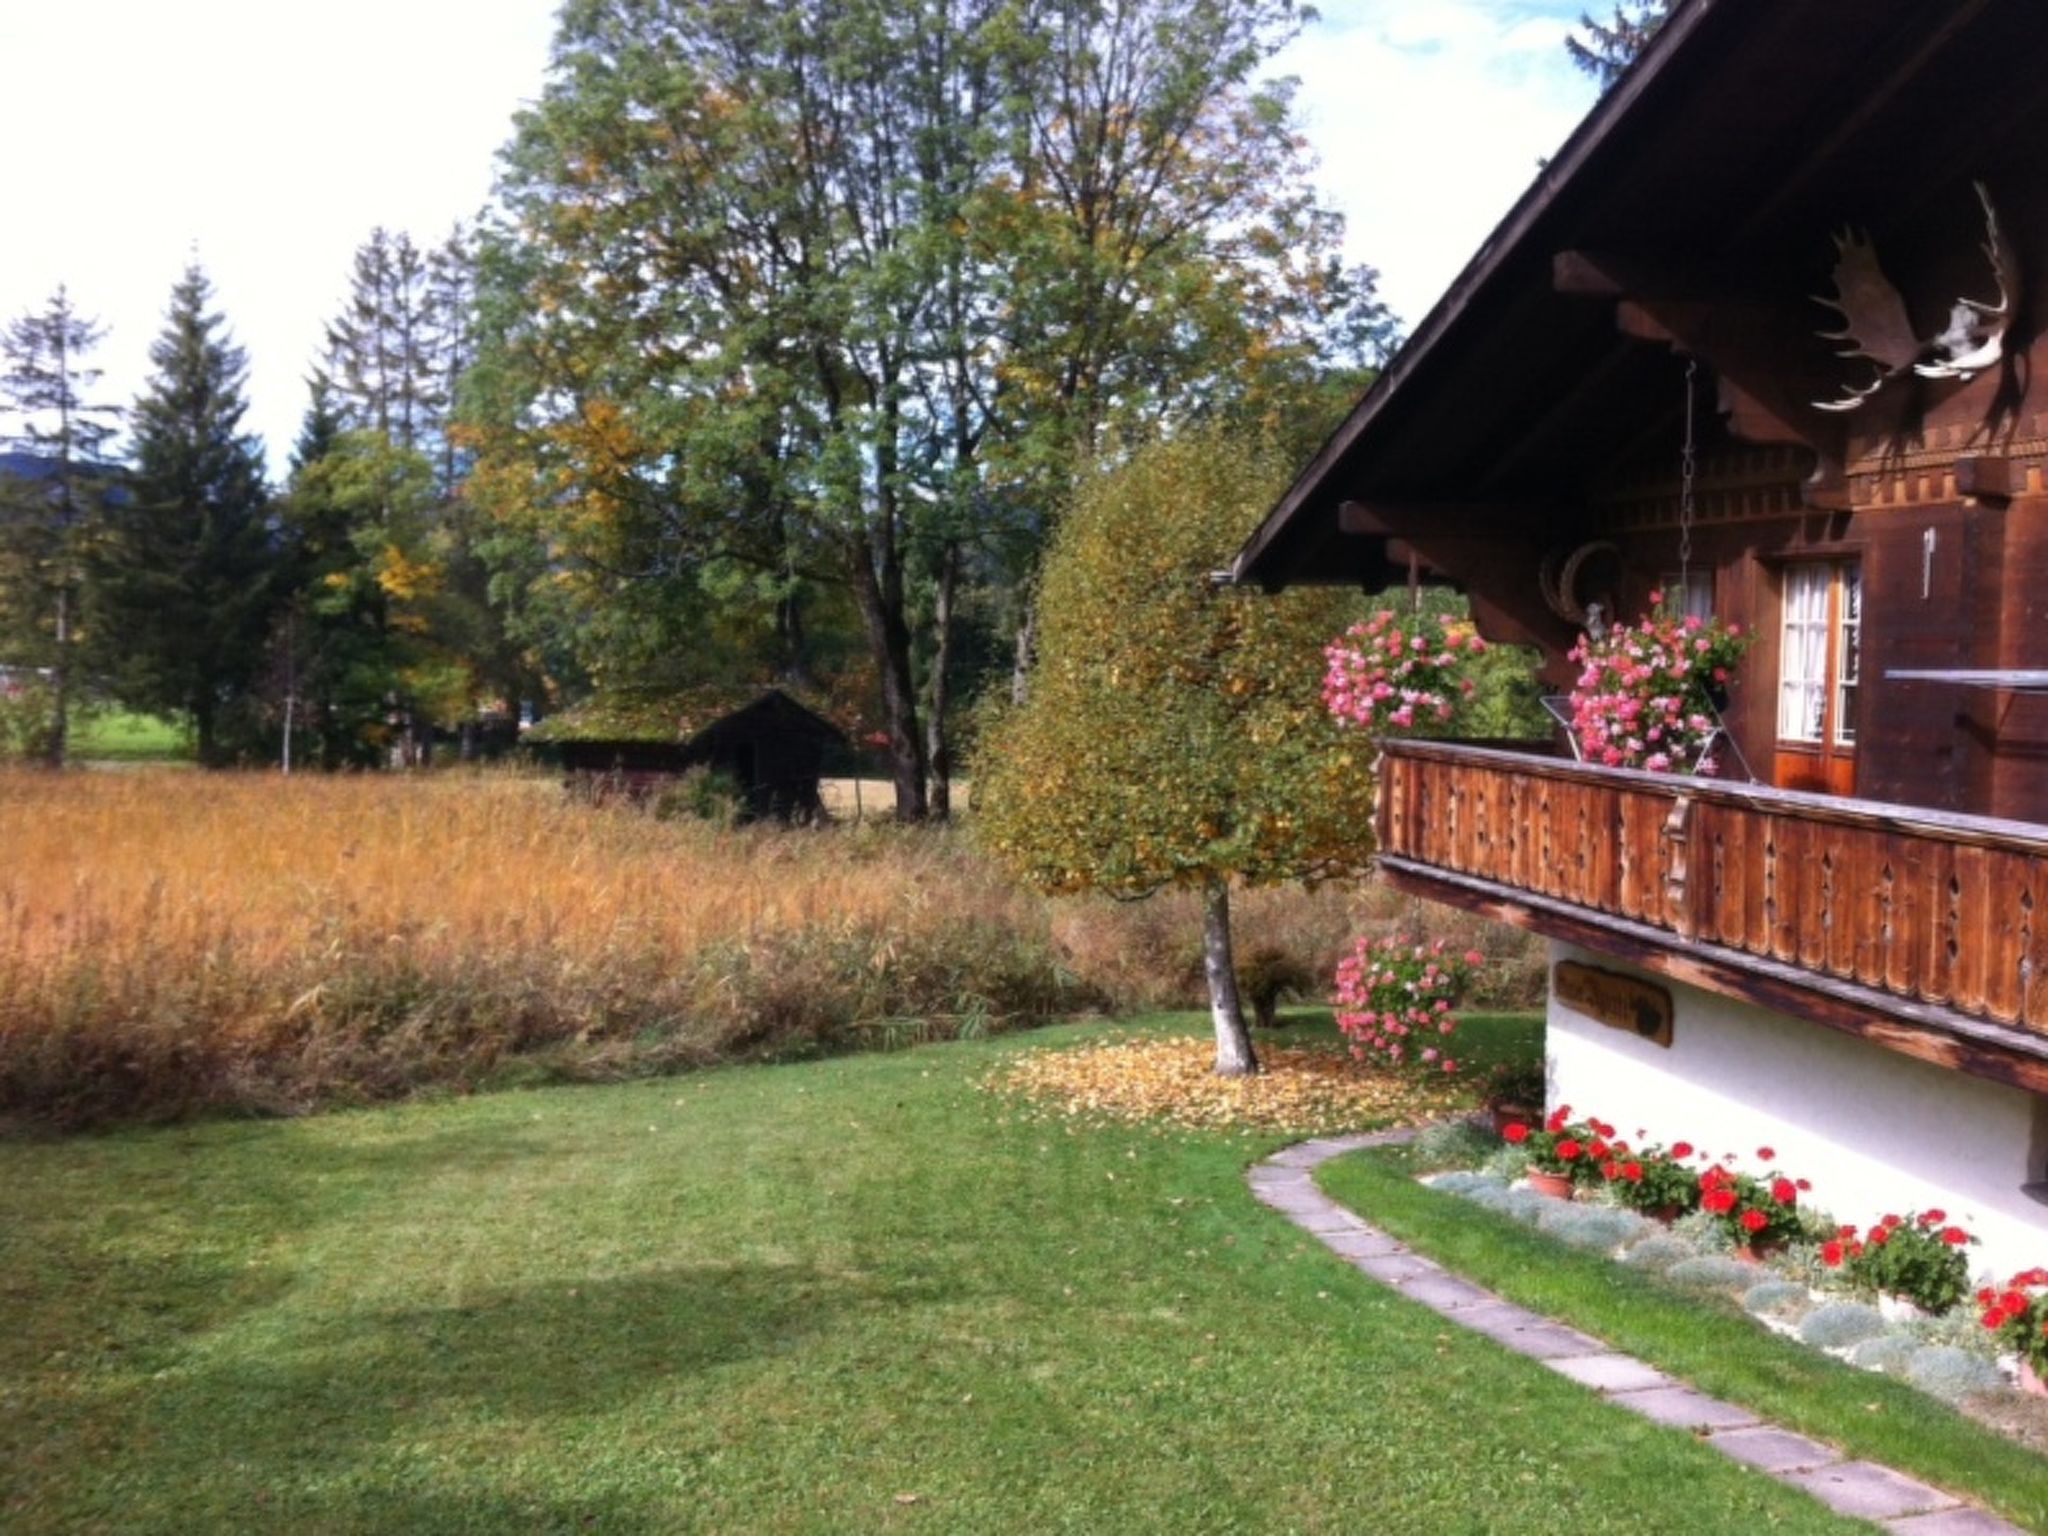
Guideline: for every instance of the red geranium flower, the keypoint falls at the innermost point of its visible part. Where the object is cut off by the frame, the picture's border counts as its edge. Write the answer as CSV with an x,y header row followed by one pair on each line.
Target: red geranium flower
x,y
1568,1150
1517,1133
1879,1236
1804,1184
1845,1232
1994,1319
1599,1149
1955,1237
1754,1221
1719,1201
1784,1192
1765,1154
1610,1170
1681,1149
1831,1254
1633,1172
1933,1218
1890,1221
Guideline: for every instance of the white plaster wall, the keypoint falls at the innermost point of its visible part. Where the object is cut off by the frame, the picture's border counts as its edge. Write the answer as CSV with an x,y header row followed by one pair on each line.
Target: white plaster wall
x,y
1875,1131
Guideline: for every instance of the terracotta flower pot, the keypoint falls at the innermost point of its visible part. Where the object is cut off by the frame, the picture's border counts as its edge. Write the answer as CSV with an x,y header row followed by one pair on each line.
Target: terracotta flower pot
x,y
1666,1214
1505,1115
1557,1186
1757,1253
2030,1379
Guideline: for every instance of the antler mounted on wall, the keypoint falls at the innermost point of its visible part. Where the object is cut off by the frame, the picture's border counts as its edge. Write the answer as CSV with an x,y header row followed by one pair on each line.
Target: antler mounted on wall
x,y
1878,330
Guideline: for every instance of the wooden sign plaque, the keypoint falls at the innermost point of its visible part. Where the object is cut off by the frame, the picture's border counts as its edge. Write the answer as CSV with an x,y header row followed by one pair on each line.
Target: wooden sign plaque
x,y
1620,1002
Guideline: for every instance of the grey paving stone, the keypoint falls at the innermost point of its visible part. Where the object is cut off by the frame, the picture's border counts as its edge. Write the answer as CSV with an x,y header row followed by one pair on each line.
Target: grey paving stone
x,y
1334,1222
1365,1243
1866,1491
1397,1268
1447,1293
1683,1408
1302,1154
1953,1522
1268,1177
1773,1450
1610,1373
1528,1334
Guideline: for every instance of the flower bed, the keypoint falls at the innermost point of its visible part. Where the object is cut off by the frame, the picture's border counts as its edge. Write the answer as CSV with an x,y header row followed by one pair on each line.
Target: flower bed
x,y
1892,1297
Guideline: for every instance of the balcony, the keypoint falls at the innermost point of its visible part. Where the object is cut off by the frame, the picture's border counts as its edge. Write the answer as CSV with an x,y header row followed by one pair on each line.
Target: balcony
x,y
1924,932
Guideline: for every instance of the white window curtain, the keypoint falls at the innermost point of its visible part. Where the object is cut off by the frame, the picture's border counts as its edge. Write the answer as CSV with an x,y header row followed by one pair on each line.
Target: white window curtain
x,y
1803,656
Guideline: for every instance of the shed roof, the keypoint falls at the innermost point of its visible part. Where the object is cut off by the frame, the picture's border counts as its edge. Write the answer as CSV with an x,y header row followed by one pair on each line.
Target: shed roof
x,y
683,716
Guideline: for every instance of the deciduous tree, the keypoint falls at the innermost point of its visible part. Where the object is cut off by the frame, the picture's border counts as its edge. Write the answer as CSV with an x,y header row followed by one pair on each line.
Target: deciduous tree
x,y
836,291
1174,733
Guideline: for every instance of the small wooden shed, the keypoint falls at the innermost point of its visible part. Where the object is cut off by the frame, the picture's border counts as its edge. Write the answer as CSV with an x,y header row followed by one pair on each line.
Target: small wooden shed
x,y
771,745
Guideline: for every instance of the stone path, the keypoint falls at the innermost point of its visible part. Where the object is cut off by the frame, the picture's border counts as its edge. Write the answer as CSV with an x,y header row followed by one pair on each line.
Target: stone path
x,y
1860,1489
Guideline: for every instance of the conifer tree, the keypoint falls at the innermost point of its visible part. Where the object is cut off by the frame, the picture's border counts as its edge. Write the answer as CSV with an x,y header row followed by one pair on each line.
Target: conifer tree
x,y
47,384
191,575
1603,49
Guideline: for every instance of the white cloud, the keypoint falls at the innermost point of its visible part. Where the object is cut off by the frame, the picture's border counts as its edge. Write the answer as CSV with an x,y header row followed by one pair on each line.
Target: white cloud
x,y
269,136
1430,117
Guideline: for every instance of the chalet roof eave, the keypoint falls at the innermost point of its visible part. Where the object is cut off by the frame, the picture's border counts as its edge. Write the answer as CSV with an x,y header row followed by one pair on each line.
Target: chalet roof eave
x,y
1593,132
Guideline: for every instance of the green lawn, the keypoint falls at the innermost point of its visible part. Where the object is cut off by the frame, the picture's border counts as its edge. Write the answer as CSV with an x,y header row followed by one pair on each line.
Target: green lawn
x,y
849,1295
118,736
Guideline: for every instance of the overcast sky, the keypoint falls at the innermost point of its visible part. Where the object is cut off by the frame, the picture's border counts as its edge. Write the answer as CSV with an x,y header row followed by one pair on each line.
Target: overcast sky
x,y
269,136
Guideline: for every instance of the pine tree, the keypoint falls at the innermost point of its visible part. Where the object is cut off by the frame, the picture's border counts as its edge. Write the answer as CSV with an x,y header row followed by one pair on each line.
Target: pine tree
x,y
191,576
380,354
46,382
1609,47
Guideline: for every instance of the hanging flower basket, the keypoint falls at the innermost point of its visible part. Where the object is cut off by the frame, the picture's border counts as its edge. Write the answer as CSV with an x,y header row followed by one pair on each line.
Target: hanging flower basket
x,y
1648,694
1399,673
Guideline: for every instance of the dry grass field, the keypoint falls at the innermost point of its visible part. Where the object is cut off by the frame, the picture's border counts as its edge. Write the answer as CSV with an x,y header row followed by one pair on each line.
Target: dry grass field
x,y
178,942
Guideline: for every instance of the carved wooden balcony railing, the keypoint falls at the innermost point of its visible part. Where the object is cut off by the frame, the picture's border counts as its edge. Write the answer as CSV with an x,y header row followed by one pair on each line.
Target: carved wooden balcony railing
x,y
1925,931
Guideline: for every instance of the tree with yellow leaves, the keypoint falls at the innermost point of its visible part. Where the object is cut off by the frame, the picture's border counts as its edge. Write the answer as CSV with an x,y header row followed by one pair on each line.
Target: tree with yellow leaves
x,y
1174,733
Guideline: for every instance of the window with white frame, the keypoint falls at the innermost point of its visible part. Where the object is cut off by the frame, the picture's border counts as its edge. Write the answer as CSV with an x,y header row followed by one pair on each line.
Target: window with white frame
x,y
1820,657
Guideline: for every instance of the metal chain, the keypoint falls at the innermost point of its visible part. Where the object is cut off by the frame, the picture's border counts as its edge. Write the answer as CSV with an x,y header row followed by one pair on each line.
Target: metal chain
x,y
1688,468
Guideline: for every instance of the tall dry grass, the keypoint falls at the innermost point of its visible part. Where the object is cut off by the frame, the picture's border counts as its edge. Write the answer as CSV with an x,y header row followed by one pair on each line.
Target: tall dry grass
x,y
171,943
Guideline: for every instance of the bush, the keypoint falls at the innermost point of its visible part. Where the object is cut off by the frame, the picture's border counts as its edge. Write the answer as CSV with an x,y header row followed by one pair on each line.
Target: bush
x,y
702,794
1888,1352
1713,1272
1952,1374
1659,1252
1268,975
1776,1298
1454,1144
1464,1182
1601,1228
1840,1324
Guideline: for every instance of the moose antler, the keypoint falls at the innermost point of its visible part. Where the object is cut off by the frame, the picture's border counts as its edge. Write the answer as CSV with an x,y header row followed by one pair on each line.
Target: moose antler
x,y
1975,337
1879,331
1877,327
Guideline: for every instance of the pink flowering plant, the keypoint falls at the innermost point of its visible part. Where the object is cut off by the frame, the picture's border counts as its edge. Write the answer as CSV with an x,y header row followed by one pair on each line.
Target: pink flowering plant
x,y
1395,998
1645,692
1400,672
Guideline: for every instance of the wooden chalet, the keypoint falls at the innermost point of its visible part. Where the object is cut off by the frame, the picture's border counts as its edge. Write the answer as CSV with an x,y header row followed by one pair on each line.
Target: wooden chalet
x,y
1855,943
769,744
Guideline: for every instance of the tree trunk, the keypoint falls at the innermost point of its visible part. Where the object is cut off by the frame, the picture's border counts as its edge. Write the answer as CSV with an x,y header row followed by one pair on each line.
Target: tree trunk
x,y
889,643
1026,653
939,756
1234,1055
60,682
